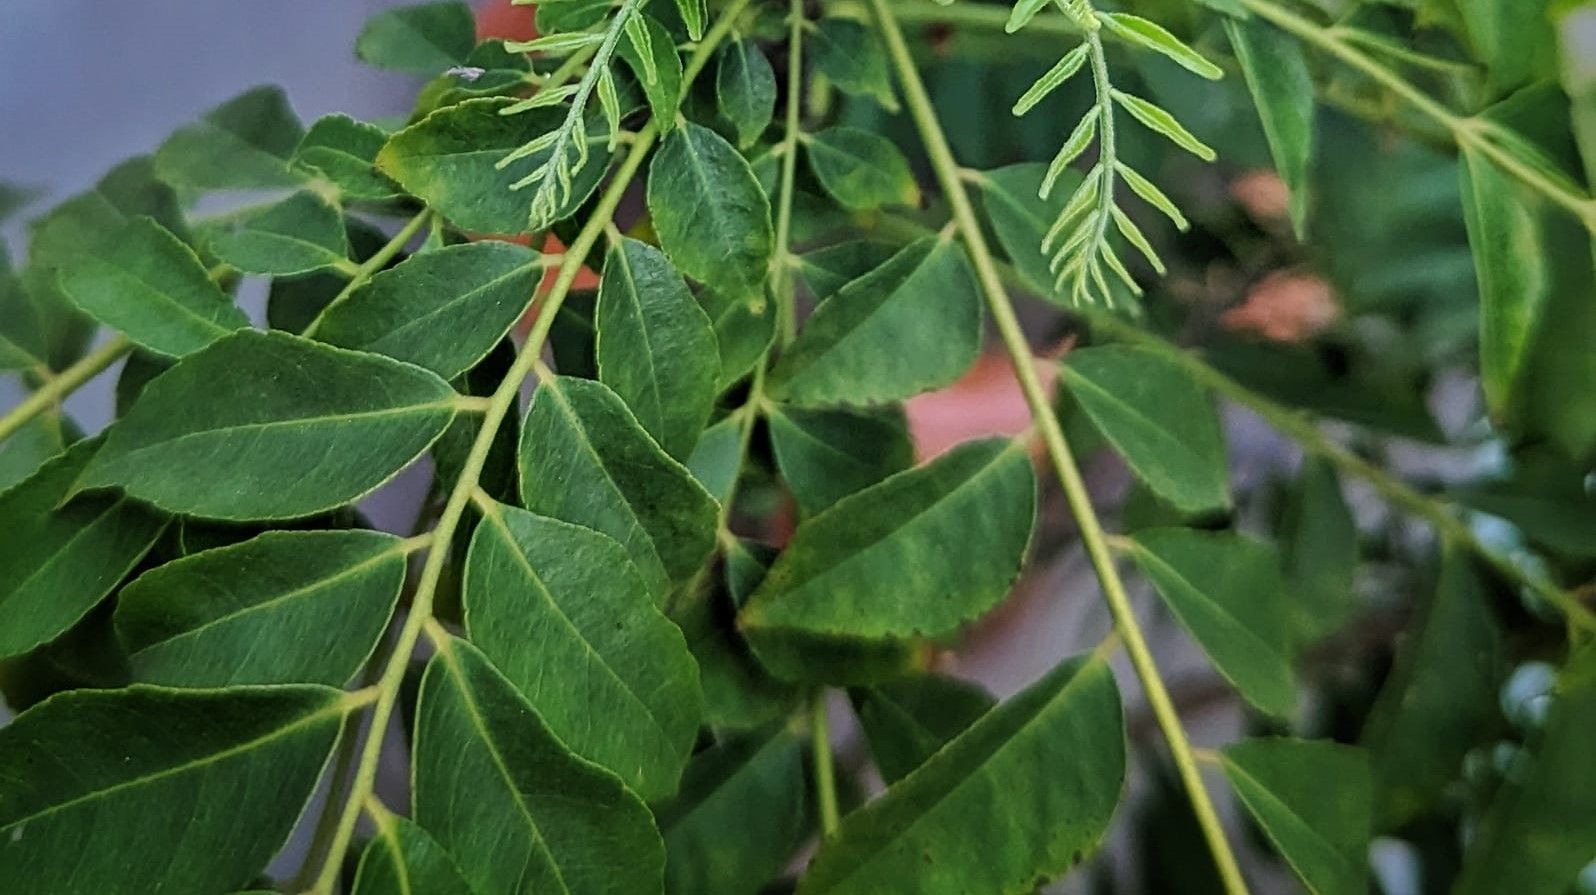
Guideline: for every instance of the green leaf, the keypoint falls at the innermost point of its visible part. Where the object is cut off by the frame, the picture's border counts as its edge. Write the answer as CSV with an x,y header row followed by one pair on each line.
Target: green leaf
x,y
1153,36
826,455
655,347
829,269
271,426
909,326
104,791
1440,699
739,818
443,310
1515,42
1225,590
294,302
152,287
23,344
1517,277
245,143
485,761
1021,219
1319,552
860,169
564,614
450,159
907,721
29,447
1321,830
301,234
738,693
1538,833
745,89
1158,418
898,560
664,90
585,459
1276,71
1015,800
717,459
852,58
693,13
1160,121
424,39
283,607
402,858
712,218
745,326
62,557
344,151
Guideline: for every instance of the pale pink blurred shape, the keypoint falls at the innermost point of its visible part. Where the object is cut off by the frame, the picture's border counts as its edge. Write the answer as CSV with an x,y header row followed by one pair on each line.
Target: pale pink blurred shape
x,y
985,401
1286,307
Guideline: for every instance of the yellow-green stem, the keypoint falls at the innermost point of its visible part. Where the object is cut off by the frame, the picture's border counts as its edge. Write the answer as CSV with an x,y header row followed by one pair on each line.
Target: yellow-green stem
x,y
370,267
56,388
503,398
1063,462
781,272
825,772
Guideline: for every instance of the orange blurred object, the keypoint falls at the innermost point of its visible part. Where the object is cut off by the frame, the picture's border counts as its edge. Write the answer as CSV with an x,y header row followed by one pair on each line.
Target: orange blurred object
x,y
985,401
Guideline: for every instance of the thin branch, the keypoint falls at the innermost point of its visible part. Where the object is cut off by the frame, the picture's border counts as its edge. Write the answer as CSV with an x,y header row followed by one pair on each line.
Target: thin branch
x,y
1092,535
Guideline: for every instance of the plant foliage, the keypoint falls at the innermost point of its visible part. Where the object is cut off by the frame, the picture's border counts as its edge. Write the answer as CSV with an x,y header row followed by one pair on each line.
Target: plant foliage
x,y
609,653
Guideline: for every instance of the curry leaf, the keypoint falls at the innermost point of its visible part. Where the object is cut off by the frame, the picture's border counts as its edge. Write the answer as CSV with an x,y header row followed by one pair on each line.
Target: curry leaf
x,y
907,721
563,613
271,426
712,218
1225,590
585,459
403,858
1060,742
1282,88
745,88
1158,418
655,347
245,143
344,151
484,760
152,287
825,455
301,234
860,169
911,325
90,778
851,57
284,607
443,310
896,560
423,39
664,89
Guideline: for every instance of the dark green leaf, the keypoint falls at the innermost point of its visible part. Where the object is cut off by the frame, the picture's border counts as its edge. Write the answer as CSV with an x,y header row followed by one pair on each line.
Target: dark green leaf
x,y
27,449
907,721
829,269
1440,700
1540,831
861,170
849,54
271,426
344,151
284,607
485,761
1319,553
655,348
564,614
245,143
585,459
443,310
294,302
112,791
1015,800
298,235
825,455
62,557
1515,43
23,344
1312,800
712,218
911,325
745,88
403,859
1225,590
1021,219
744,327
717,459
152,287
1282,88
424,39
897,560
664,92
1158,418
739,818
450,161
